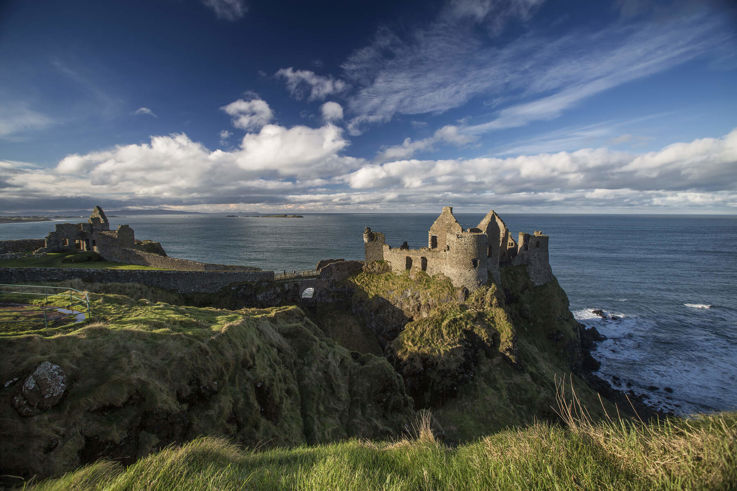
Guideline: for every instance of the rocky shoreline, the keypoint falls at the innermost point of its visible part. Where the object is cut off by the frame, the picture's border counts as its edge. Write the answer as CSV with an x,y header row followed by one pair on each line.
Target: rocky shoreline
x,y
590,338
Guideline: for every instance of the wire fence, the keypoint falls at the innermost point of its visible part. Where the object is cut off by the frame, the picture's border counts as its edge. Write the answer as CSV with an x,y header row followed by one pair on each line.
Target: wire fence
x,y
45,300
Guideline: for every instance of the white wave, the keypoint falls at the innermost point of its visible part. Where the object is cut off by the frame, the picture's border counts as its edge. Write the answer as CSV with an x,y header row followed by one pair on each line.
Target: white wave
x,y
585,314
697,305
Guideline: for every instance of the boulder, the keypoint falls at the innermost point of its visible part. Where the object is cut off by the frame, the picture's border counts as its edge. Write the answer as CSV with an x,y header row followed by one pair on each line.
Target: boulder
x,y
42,390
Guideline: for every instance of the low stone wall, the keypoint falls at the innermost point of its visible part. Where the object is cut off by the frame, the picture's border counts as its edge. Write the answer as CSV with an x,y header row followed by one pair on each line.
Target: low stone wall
x,y
21,245
179,281
142,258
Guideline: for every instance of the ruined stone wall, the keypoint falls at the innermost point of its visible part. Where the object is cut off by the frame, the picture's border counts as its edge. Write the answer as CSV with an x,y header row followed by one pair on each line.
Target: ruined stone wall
x,y
533,251
498,235
141,258
373,243
424,259
179,281
445,224
126,237
20,245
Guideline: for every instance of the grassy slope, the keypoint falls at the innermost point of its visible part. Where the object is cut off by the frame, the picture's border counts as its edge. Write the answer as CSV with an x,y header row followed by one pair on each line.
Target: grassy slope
x,y
57,260
692,454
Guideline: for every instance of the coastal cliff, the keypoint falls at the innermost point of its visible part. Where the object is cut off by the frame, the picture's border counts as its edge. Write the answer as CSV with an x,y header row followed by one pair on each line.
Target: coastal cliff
x,y
360,362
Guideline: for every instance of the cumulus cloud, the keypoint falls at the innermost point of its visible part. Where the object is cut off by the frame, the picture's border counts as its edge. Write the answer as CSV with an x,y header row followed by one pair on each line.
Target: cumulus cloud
x,y
306,167
145,111
301,83
693,169
332,111
231,10
174,168
249,115
298,151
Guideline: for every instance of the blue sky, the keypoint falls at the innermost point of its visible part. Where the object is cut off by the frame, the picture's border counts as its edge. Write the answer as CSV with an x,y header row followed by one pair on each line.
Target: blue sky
x,y
625,106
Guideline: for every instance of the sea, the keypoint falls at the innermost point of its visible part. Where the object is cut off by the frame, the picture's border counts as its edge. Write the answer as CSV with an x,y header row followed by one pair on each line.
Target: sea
x,y
666,285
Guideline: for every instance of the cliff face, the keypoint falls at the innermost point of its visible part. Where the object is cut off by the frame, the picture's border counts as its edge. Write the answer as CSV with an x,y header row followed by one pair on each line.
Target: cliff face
x,y
150,374
484,362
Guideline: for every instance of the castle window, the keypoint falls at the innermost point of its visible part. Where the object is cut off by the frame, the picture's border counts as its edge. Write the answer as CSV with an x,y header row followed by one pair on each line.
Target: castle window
x,y
423,263
408,263
475,263
433,242
488,251
66,242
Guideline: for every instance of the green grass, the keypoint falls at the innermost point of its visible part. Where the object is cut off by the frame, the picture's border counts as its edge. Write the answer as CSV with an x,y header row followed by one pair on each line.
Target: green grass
x,y
64,260
388,285
122,312
696,453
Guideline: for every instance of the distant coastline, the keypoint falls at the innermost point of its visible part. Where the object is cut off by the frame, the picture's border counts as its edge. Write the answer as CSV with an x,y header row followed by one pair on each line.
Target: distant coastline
x,y
277,215
6,219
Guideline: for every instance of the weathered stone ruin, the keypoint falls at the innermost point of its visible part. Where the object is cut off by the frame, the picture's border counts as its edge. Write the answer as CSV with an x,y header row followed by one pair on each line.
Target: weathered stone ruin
x,y
469,257
95,235
121,245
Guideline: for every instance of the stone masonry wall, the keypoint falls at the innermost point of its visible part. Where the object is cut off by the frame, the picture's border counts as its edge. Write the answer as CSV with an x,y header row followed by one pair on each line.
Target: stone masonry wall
x,y
179,281
533,252
141,258
424,259
445,224
21,245
373,245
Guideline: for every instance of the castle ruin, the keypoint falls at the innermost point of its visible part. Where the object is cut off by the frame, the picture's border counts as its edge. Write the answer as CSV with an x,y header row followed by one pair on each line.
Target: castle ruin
x,y
121,246
95,235
469,257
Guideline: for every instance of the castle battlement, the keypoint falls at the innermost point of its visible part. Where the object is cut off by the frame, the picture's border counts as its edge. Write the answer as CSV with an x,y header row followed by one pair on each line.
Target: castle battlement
x,y
469,257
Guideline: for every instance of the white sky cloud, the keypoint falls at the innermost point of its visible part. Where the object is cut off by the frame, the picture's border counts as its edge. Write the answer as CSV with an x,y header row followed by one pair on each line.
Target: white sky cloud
x,y
331,111
532,77
16,118
231,10
301,83
446,134
249,115
304,166
145,111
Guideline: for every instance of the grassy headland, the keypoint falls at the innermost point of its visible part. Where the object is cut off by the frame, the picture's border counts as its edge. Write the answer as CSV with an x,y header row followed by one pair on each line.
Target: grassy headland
x,y
147,374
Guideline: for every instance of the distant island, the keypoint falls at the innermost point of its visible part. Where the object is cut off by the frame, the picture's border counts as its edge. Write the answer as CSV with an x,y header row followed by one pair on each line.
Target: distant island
x,y
12,219
276,215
